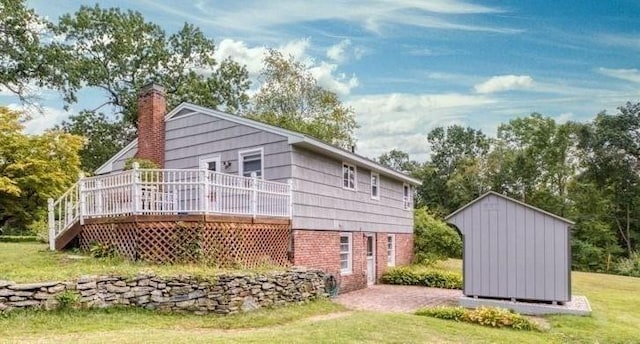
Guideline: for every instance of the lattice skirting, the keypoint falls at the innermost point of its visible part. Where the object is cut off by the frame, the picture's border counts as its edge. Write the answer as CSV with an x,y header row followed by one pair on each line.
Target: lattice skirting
x,y
218,243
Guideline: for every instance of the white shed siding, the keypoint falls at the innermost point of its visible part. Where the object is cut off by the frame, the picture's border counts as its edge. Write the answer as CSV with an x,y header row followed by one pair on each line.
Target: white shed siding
x,y
513,251
320,202
192,137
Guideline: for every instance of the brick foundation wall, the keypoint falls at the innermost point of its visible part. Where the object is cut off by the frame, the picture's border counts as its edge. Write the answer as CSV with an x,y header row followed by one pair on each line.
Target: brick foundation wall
x,y
321,250
404,248
381,254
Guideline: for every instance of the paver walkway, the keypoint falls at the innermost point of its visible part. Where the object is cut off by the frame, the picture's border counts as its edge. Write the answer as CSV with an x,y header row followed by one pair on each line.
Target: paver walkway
x,y
397,298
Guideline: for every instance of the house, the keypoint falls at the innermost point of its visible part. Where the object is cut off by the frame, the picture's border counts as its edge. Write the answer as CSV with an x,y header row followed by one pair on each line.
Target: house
x,y
289,196
513,251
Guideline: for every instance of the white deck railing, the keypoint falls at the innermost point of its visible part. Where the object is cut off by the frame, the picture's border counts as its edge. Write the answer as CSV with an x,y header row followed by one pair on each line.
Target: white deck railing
x,y
167,191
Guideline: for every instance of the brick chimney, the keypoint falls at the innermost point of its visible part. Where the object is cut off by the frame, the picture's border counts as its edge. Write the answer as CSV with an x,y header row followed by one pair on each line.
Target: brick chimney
x,y
152,107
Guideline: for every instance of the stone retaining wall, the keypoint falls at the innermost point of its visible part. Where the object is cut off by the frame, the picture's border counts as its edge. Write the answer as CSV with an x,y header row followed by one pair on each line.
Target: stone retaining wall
x,y
224,294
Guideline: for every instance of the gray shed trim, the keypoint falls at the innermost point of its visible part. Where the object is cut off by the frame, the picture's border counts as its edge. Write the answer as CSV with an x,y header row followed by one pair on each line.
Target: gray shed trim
x,y
294,138
509,199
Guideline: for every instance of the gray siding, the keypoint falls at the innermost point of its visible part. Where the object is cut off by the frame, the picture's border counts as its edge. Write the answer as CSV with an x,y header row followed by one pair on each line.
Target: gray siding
x,y
320,202
118,164
192,137
513,251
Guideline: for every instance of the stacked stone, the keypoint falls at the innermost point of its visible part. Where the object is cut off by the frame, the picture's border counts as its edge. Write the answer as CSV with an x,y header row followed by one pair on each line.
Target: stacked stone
x,y
223,294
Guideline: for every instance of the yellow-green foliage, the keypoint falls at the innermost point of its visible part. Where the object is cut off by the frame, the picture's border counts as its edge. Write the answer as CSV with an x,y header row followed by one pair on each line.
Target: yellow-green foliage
x,y
144,164
32,169
485,316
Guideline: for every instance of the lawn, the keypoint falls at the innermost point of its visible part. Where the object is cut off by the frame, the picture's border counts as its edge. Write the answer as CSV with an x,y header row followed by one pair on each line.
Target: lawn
x,y
33,262
615,301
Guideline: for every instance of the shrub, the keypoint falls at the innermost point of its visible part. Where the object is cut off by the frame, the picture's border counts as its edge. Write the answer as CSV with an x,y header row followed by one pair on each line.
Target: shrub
x,y
434,239
424,277
485,316
629,266
103,250
445,313
67,299
18,238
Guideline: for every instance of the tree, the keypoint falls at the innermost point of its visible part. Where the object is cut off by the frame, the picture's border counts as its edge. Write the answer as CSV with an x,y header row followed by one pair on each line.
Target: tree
x,y
32,169
118,52
454,151
538,160
434,239
611,158
26,61
289,97
103,137
399,161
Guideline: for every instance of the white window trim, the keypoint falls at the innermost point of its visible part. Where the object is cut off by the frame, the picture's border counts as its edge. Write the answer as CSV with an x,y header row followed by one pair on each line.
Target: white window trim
x,y
377,197
355,176
249,152
407,203
391,259
348,270
204,162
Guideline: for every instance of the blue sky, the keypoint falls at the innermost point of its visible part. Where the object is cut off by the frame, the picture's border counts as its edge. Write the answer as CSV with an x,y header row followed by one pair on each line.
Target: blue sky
x,y
406,66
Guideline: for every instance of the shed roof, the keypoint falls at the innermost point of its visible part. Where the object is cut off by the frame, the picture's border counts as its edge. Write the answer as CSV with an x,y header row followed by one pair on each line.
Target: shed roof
x,y
510,200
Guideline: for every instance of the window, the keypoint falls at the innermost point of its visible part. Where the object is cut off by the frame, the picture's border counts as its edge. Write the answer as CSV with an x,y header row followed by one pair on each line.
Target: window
x,y
391,250
406,196
250,161
211,163
375,185
348,176
345,253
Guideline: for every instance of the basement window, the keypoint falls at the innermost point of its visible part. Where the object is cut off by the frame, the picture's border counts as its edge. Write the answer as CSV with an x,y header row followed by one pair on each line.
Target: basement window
x,y
346,253
391,250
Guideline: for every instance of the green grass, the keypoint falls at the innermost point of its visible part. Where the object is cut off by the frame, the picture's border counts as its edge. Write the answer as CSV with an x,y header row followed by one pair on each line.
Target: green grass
x,y
615,301
33,262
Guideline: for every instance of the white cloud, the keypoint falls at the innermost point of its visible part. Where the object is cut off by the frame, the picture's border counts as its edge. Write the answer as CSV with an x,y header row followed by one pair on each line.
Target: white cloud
x,y
340,83
627,41
503,83
338,52
42,120
401,120
260,18
325,73
632,74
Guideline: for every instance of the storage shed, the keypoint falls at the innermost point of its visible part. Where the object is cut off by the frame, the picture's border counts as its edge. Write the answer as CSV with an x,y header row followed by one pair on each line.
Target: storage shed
x,y
513,251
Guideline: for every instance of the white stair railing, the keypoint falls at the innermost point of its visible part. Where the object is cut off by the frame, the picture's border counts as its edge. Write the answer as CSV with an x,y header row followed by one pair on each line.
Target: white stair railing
x,y
63,213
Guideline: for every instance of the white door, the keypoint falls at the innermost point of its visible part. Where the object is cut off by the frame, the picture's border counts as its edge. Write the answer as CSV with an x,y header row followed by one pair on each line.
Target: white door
x,y
211,164
371,259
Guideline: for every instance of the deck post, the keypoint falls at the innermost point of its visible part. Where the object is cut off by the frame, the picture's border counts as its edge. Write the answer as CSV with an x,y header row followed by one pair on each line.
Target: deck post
x,y
52,224
82,198
135,189
98,199
290,182
254,194
204,194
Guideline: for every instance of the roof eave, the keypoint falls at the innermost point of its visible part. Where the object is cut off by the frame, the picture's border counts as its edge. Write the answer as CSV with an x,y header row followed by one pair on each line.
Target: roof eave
x,y
308,142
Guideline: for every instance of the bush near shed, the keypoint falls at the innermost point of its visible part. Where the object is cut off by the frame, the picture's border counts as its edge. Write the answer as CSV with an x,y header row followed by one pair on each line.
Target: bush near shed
x,y
485,316
423,276
433,239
